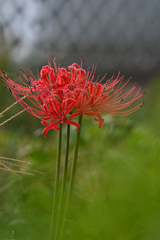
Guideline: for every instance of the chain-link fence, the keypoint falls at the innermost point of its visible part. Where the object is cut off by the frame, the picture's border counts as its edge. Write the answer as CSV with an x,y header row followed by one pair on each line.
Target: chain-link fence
x,y
116,34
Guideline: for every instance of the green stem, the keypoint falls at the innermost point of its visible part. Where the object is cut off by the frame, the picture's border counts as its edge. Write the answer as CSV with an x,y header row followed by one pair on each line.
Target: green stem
x,y
62,197
56,186
73,170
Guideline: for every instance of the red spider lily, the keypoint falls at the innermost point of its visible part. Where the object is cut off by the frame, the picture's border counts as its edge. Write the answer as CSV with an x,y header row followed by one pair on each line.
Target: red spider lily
x,y
59,95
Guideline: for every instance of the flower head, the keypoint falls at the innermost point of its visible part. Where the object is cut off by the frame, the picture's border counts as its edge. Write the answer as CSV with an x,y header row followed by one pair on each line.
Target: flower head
x,y
58,95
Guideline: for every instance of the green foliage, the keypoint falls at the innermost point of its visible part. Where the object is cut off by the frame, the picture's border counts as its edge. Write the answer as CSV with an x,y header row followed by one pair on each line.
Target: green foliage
x,y
117,187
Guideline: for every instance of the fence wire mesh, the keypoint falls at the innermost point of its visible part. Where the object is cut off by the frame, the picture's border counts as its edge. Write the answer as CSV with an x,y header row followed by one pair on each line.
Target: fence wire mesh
x,y
116,34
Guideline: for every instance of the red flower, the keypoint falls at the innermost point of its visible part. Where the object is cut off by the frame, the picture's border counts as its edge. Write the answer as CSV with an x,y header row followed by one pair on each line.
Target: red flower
x,y
59,95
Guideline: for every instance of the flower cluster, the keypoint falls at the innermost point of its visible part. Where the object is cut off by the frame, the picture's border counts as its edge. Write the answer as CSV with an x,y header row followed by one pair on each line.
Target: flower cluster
x,y
60,94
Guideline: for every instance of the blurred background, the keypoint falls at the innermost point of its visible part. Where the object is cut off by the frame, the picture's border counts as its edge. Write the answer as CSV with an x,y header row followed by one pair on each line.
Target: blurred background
x,y
117,188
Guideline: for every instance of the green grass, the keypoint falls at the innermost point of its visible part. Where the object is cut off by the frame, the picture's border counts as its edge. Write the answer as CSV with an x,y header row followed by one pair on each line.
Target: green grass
x,y
117,187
